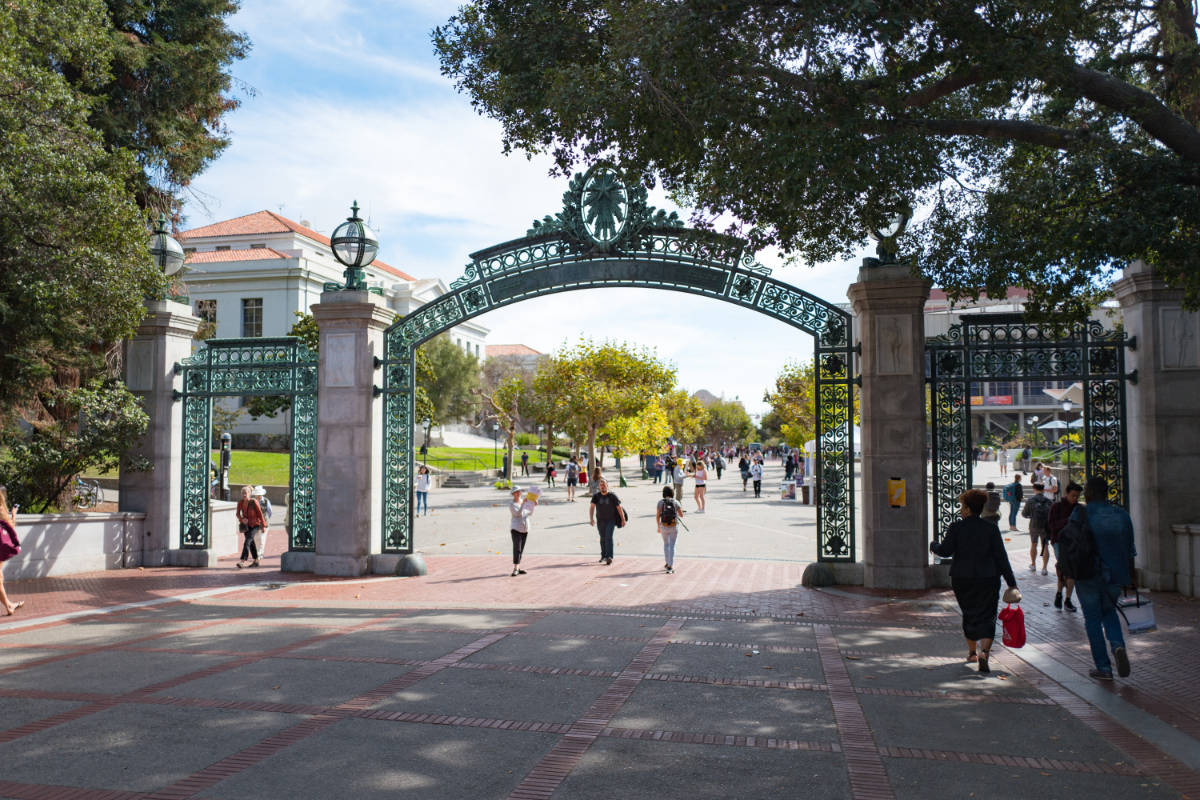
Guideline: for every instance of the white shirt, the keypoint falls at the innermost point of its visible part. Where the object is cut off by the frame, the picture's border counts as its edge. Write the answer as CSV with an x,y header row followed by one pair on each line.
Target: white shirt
x,y
423,482
756,471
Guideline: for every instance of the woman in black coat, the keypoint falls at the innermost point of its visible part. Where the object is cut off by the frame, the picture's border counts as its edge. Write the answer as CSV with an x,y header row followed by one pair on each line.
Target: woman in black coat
x,y
980,561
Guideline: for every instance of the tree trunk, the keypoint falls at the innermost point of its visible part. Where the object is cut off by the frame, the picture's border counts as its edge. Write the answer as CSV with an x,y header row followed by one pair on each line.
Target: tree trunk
x,y
591,451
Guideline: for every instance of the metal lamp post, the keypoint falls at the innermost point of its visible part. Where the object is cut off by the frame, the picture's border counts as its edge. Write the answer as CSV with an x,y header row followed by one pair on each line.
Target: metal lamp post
x,y
896,222
495,445
1067,405
541,441
167,253
425,447
354,246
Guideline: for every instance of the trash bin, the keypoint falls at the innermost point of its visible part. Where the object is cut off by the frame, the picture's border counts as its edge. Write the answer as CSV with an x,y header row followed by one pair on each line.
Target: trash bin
x,y
806,494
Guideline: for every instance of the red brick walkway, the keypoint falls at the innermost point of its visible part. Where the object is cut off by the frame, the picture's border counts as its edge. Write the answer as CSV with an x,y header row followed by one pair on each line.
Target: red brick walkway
x,y
1165,682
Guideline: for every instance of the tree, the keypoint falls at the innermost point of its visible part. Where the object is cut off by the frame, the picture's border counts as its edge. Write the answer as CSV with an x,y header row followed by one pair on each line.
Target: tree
x,y
600,382
305,328
448,381
644,432
73,263
686,415
167,91
1051,143
95,424
510,403
794,401
727,423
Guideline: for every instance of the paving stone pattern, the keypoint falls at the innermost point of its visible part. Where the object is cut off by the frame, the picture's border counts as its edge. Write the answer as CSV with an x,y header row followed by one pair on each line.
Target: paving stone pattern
x,y
724,680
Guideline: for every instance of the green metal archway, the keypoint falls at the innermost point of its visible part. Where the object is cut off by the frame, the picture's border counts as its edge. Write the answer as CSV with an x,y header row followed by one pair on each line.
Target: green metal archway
x,y
607,235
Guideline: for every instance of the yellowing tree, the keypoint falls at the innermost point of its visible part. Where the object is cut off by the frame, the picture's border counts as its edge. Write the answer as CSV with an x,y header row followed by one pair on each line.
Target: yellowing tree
x,y
686,414
644,432
599,382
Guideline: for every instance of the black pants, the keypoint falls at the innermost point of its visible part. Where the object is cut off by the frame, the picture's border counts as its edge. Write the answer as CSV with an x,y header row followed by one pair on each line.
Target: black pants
x,y
249,548
518,545
758,488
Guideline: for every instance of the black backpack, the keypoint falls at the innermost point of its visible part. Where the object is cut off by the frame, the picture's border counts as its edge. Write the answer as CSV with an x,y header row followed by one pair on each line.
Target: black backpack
x,y
1077,548
668,511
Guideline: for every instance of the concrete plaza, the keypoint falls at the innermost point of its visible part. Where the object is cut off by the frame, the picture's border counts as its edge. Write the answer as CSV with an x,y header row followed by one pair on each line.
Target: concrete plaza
x,y
727,679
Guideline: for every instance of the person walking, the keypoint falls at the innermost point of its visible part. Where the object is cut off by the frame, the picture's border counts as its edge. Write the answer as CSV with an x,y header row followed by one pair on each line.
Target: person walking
x,y
8,532
524,463
1112,531
520,509
719,465
991,509
1002,459
979,561
667,515
595,481
1013,494
602,514
250,522
1049,483
551,474
1037,511
259,493
756,474
1060,513
744,469
572,478
678,477
701,489
423,489
658,469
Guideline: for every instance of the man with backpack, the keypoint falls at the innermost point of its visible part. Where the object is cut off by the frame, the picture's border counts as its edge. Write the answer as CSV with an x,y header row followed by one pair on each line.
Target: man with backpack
x,y
1013,494
1037,511
667,515
1097,550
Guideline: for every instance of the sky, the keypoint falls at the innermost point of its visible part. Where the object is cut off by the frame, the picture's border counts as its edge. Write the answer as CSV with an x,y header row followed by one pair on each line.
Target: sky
x,y
344,101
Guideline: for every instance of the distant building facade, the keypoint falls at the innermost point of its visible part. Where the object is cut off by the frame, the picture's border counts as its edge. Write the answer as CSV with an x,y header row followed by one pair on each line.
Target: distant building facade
x,y
249,276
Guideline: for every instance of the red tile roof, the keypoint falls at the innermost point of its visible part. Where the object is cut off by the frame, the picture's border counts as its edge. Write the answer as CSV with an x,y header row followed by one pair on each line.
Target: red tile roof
x,y
218,256
494,350
270,222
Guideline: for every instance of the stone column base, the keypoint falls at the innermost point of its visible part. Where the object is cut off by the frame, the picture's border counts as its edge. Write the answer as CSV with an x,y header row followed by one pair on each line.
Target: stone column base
x,y
891,577
1187,547
297,561
191,558
342,566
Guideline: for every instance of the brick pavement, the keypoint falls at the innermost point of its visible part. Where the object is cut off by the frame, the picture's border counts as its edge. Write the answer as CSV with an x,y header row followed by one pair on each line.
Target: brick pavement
x,y
575,680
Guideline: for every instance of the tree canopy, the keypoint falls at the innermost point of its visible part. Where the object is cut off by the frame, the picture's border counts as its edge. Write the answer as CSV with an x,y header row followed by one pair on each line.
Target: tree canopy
x,y
1047,143
448,377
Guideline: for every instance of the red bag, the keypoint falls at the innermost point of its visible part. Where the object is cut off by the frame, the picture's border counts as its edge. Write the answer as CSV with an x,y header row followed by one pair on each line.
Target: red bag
x,y
10,545
1013,620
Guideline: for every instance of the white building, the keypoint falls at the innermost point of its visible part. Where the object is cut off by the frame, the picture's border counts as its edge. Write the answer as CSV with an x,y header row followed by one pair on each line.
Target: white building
x,y
250,275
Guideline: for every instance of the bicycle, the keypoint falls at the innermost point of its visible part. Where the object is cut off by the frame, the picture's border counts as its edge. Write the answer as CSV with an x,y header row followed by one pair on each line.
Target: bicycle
x,y
87,494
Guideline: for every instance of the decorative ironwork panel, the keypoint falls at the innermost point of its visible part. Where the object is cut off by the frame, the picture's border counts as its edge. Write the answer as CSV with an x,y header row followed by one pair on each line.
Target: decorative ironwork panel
x,y
1008,347
398,466
239,367
607,235
835,456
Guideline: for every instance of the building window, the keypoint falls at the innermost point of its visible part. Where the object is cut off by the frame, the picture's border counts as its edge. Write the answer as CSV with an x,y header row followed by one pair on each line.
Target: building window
x,y
251,316
477,351
222,247
187,251
258,247
207,310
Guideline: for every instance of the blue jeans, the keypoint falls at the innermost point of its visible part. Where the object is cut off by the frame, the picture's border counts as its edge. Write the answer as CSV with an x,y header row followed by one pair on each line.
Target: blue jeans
x,y
1100,618
669,534
606,538
1013,508
422,500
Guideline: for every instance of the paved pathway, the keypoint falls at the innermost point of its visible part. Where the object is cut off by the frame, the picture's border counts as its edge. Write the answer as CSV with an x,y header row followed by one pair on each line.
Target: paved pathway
x,y
574,681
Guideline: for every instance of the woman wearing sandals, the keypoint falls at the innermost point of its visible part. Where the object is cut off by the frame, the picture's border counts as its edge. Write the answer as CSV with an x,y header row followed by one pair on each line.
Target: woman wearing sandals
x,y
980,561
701,476
8,521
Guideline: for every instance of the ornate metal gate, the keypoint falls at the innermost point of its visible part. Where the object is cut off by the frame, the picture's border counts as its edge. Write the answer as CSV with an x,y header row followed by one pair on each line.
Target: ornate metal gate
x,y
607,235
988,347
240,367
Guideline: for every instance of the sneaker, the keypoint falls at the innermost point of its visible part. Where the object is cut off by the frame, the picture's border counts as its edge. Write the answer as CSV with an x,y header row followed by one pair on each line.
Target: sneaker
x,y
670,570
254,563
241,564
1122,662
1058,600
1033,567
1100,674
1044,572
1068,605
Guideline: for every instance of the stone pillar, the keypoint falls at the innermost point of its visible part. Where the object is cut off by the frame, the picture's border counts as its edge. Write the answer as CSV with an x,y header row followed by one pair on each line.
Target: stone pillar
x,y
1163,420
349,435
163,339
889,307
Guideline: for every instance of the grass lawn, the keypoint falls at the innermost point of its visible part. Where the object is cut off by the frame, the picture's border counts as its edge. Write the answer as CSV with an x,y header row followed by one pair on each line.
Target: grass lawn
x,y
273,469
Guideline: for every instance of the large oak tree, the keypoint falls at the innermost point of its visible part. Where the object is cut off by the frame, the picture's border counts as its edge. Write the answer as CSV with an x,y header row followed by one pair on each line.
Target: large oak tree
x,y
1047,142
